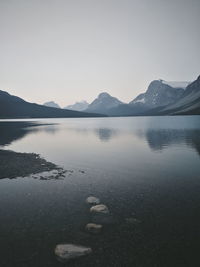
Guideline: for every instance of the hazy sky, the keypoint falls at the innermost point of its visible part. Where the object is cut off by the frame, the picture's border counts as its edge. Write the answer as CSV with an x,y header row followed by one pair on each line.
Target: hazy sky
x,y
69,50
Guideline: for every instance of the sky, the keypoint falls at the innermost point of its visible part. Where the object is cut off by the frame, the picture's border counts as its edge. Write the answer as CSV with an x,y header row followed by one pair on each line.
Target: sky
x,y
70,50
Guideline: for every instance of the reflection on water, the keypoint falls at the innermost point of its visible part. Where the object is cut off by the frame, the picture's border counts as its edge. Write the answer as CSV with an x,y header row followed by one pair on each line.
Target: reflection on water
x,y
12,131
163,138
156,138
106,134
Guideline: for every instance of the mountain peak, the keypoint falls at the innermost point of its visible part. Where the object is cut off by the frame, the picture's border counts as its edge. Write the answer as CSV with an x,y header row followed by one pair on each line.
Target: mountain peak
x,y
103,102
51,104
103,94
161,93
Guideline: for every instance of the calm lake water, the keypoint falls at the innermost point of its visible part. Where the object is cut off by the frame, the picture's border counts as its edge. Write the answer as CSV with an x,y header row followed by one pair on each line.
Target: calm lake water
x,y
147,168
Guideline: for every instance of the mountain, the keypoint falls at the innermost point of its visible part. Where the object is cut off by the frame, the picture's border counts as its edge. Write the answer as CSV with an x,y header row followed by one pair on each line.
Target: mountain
x,y
79,106
51,104
189,103
103,103
159,93
15,107
127,110
176,84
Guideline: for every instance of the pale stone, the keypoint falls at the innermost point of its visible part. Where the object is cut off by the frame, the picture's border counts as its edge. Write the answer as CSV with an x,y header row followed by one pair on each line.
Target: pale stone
x,y
93,228
66,252
93,200
99,209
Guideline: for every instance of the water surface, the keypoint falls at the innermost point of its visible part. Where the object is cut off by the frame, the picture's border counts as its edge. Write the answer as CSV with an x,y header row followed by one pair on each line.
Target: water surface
x,y
141,167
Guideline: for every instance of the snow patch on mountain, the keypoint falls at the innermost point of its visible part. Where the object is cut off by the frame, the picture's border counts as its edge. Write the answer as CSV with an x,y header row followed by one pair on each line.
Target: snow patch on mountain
x,y
176,84
139,101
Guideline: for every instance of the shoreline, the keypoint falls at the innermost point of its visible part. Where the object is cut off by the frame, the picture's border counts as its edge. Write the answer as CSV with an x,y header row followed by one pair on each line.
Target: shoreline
x,y
16,164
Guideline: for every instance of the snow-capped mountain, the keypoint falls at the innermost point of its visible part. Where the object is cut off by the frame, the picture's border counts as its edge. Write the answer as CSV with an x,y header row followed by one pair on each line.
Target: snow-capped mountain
x,y
79,106
189,103
103,103
175,84
51,104
160,93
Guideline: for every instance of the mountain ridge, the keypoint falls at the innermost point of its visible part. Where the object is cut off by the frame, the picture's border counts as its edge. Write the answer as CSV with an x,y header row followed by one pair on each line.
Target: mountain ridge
x,y
160,98
16,107
159,93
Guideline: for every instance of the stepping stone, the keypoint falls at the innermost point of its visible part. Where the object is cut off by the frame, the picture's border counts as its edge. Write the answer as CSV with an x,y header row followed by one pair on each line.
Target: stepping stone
x,y
92,200
93,228
66,252
99,209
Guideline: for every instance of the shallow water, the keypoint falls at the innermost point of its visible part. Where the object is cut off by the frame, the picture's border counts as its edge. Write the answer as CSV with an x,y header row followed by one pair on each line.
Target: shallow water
x,y
146,168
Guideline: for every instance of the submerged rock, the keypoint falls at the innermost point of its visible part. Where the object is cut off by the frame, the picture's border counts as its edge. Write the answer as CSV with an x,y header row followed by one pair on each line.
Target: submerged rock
x,y
93,228
99,209
93,200
66,252
50,175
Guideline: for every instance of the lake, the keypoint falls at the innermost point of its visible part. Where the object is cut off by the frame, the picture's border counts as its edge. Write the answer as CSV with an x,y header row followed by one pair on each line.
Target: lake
x,y
145,169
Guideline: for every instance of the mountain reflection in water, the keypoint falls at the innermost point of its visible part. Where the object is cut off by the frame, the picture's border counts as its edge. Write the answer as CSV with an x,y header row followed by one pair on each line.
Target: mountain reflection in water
x,y
157,139
161,139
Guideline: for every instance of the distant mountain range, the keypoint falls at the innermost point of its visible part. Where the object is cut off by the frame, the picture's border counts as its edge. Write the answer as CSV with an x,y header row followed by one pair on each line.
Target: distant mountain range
x,y
160,98
159,93
51,104
15,107
79,106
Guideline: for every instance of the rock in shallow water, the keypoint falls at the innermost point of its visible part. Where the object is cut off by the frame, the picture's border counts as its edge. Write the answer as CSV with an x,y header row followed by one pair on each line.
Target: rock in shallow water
x,y
66,252
93,228
49,175
92,200
99,209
